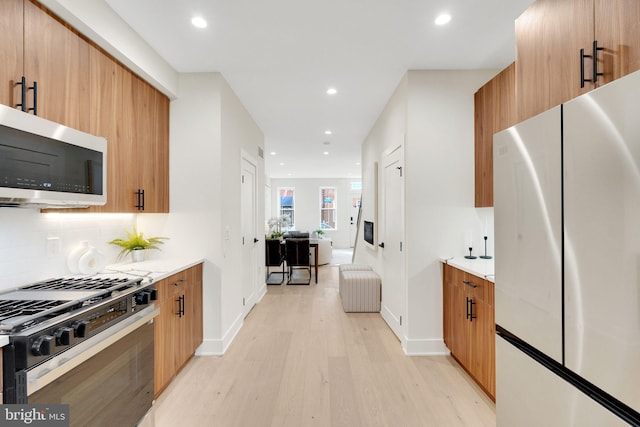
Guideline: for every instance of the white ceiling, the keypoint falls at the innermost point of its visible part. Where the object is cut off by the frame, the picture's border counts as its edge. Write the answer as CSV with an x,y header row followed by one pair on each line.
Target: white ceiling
x,y
280,56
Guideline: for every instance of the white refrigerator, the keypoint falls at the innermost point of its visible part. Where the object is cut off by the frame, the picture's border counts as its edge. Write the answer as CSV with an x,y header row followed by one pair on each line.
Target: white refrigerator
x,y
567,263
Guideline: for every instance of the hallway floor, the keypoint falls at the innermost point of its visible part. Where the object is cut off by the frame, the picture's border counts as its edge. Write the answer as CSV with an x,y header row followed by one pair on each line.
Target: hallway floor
x,y
299,360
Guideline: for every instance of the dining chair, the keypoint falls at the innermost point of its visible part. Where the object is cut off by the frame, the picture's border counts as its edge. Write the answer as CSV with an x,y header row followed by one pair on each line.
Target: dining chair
x,y
298,257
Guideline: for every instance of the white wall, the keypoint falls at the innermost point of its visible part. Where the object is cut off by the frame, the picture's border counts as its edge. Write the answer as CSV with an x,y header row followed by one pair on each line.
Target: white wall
x,y
433,110
209,128
307,205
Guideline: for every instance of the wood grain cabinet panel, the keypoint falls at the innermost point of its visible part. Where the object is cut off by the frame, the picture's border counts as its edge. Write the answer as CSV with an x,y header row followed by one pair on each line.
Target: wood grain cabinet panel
x,y
11,45
495,110
617,30
469,322
58,60
549,37
178,327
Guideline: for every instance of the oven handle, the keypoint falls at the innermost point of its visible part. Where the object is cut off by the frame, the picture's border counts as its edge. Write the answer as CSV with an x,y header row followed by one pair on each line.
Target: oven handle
x,y
56,367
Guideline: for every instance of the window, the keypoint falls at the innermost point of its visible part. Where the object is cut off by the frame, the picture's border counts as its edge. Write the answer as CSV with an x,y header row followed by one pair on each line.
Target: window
x,y
286,204
328,208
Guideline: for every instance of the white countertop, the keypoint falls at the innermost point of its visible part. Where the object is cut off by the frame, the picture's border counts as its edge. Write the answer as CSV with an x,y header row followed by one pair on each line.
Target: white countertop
x,y
156,269
478,267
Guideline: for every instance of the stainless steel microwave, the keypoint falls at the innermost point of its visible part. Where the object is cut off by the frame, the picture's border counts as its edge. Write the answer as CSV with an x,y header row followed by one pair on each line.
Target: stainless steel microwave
x,y
45,164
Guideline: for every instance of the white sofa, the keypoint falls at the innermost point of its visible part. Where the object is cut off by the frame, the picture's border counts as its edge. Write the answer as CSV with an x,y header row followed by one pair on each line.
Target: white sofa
x,y
324,252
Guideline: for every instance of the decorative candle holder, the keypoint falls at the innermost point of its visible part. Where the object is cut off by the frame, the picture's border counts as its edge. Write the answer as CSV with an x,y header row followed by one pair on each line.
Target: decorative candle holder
x,y
485,256
470,256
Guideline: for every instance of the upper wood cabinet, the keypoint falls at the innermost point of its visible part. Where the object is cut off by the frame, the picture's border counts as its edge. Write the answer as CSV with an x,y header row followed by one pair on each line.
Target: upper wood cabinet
x,y
41,49
495,110
11,47
549,37
81,87
58,60
134,118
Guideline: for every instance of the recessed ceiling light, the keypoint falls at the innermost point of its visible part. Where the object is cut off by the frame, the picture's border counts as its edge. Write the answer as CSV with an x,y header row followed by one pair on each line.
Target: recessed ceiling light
x,y
273,153
332,91
328,132
281,164
443,19
198,22
357,163
326,153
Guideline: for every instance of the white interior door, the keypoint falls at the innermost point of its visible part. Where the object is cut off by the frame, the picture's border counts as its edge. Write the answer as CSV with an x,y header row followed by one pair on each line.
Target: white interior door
x,y
353,218
391,242
249,235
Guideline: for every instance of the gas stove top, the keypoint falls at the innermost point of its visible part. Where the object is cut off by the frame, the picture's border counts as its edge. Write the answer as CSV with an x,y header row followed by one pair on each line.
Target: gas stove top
x,y
31,305
47,318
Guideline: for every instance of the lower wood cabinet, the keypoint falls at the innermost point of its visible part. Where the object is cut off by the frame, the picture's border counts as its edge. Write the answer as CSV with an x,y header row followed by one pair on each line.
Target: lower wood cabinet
x,y
178,328
469,325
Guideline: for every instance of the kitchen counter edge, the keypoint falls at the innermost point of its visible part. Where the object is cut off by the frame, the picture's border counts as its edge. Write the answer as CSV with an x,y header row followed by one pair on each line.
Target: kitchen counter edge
x,y
478,267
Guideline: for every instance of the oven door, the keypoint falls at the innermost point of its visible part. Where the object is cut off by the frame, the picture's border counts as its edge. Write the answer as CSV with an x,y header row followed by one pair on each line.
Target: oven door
x,y
107,383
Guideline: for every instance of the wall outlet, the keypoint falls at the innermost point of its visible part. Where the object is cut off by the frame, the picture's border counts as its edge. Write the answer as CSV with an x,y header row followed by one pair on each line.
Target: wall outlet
x,y
53,246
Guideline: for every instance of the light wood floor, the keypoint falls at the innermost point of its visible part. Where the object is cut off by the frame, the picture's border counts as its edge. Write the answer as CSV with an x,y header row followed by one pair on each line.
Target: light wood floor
x,y
299,360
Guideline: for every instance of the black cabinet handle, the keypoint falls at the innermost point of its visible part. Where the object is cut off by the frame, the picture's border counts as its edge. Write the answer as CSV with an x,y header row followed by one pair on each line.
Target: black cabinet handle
x,y
469,284
255,240
470,304
23,93
594,64
140,200
595,61
381,245
582,79
179,282
35,98
180,302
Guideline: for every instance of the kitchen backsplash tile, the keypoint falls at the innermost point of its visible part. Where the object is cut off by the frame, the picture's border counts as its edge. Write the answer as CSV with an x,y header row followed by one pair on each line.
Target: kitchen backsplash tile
x,y
27,256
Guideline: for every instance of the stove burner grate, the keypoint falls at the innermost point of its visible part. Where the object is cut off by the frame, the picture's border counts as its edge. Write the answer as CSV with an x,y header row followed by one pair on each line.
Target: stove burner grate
x,y
13,308
80,284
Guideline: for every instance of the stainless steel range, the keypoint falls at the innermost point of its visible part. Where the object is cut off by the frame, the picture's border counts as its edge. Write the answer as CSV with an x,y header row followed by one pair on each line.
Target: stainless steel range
x,y
73,328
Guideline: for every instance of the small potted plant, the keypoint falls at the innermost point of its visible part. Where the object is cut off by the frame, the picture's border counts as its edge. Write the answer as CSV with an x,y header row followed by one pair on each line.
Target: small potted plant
x,y
276,234
320,233
136,244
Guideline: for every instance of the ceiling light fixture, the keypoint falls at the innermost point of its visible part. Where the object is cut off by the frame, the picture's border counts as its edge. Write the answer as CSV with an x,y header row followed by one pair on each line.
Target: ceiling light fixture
x,y
273,153
443,19
328,132
198,22
332,91
281,164
326,153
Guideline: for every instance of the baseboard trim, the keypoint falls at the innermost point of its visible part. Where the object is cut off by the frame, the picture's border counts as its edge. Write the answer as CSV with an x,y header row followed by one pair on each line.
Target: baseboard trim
x,y
426,347
217,347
